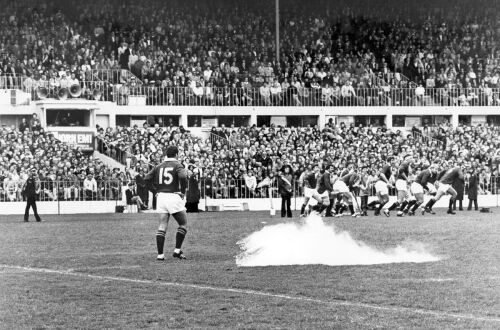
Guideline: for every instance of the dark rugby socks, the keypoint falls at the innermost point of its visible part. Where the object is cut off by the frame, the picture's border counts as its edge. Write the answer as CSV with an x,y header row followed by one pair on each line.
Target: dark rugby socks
x,y
160,240
415,206
430,203
410,204
394,206
403,205
179,237
302,209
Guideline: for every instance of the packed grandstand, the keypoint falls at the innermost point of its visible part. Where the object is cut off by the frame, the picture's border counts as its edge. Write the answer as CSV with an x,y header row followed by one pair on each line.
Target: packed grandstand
x,y
222,53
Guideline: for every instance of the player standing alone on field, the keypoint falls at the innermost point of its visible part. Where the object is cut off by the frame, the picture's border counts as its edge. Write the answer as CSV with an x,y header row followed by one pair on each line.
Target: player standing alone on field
x,y
170,181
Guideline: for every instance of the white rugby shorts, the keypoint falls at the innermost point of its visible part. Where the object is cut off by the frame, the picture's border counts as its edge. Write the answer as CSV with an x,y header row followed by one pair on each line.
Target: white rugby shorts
x,y
401,185
443,187
416,188
170,203
324,195
340,187
309,192
381,188
431,187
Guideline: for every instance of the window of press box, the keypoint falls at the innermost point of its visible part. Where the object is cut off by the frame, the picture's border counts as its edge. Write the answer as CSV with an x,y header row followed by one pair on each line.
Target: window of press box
x,y
64,117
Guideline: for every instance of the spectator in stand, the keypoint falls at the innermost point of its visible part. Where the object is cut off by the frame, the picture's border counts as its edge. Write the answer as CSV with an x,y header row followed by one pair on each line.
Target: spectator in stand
x,y
133,198
90,187
24,125
142,190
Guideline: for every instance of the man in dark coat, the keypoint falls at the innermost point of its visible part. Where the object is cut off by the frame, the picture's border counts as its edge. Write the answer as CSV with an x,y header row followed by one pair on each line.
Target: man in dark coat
x,y
285,189
142,190
30,189
458,185
193,191
472,190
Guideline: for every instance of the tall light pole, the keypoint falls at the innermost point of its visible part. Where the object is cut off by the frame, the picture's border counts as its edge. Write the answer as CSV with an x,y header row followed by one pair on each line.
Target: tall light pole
x,y
277,3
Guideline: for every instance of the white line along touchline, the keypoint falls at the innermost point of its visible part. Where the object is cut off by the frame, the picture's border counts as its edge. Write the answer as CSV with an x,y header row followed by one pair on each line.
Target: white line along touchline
x,y
398,309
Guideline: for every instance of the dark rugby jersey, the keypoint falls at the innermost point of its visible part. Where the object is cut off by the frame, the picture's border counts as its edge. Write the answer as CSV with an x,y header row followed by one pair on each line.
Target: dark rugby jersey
x,y
403,171
432,178
310,180
440,175
452,175
387,171
168,177
423,178
323,184
351,179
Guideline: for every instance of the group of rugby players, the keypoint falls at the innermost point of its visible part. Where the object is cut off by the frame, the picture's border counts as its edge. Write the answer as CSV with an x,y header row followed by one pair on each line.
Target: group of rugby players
x,y
337,192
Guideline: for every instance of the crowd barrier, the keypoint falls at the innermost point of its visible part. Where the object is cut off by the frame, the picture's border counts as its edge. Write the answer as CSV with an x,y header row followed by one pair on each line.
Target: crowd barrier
x,y
107,190
117,86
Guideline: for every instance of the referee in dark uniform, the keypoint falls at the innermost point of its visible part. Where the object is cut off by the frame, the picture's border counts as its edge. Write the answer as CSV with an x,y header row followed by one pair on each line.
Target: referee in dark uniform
x,y
30,189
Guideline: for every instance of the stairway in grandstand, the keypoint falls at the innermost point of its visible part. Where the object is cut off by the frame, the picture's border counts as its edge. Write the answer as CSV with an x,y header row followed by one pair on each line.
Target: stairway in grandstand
x,y
108,161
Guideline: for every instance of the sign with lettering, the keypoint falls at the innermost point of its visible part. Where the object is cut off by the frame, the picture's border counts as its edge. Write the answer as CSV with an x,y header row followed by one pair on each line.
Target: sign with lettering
x,y
84,140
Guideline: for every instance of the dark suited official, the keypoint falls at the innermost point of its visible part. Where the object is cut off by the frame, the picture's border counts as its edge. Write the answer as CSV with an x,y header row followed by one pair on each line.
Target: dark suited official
x,y
472,189
31,188
193,191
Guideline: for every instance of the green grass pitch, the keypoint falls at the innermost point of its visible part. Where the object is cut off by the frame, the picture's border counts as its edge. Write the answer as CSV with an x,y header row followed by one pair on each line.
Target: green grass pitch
x,y
99,271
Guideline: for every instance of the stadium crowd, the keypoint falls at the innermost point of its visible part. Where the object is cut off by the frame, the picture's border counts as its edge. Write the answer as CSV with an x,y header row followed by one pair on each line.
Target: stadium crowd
x,y
236,162
332,53
333,50
65,173
233,162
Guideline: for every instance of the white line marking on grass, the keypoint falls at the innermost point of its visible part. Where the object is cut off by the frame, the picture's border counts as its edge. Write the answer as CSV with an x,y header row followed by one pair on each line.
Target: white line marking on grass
x,y
335,302
451,279
102,267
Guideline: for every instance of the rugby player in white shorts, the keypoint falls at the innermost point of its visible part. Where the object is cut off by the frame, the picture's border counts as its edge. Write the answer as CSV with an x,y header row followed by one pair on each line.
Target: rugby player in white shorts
x,y
170,181
323,188
419,186
445,187
402,185
382,190
344,187
308,181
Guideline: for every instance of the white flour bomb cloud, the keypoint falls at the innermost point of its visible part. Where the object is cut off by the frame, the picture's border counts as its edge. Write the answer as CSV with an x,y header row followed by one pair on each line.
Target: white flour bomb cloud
x,y
313,242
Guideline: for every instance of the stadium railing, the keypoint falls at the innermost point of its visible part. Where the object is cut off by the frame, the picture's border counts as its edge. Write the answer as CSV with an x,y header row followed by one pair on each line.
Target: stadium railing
x,y
107,190
111,150
121,155
136,93
114,76
217,139
111,190
376,96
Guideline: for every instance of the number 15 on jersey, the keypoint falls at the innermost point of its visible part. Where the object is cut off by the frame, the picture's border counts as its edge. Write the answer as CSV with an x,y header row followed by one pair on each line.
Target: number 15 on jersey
x,y
165,175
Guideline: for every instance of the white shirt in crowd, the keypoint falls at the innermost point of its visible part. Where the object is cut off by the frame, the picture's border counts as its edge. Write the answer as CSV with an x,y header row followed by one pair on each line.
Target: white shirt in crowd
x,y
420,90
90,184
347,90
